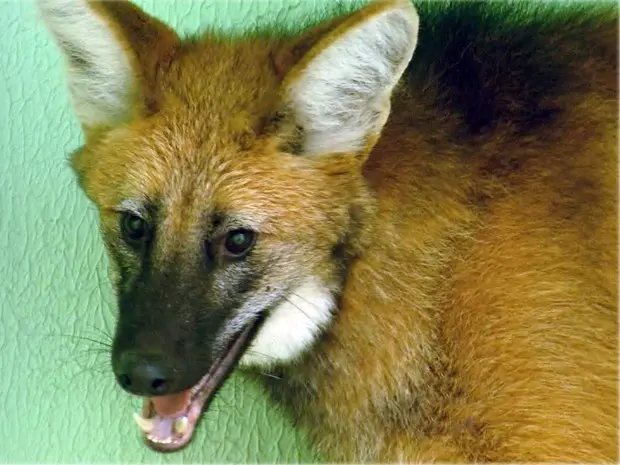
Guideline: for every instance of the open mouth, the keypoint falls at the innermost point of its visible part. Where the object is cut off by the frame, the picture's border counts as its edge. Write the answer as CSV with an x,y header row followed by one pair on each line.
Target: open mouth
x,y
168,422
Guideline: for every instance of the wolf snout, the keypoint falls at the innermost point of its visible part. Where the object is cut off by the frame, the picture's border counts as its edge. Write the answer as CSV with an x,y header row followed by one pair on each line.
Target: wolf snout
x,y
145,373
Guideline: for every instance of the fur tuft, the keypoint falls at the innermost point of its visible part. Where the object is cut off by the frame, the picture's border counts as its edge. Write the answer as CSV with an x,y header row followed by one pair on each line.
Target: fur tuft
x,y
292,327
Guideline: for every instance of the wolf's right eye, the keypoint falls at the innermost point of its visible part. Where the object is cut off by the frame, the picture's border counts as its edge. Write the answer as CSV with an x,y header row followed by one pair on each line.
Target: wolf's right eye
x,y
134,228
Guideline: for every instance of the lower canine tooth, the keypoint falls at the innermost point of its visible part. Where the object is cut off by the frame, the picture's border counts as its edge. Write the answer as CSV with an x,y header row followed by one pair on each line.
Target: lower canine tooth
x,y
146,424
181,424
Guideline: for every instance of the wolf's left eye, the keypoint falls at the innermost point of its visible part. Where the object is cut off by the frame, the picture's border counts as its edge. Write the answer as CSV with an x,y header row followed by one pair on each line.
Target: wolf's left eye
x,y
239,242
133,227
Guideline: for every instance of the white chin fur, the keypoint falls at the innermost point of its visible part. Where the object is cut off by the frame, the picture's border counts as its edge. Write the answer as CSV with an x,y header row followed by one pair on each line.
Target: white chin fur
x,y
292,327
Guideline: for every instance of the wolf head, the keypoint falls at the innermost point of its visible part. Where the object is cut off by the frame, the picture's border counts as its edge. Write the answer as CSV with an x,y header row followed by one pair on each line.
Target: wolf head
x,y
227,174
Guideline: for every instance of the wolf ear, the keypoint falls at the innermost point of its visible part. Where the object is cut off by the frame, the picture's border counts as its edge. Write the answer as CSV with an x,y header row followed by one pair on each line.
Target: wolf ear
x,y
339,91
113,52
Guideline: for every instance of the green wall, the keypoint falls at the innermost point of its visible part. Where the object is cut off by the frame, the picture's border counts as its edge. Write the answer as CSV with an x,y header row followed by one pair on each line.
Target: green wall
x,y
59,401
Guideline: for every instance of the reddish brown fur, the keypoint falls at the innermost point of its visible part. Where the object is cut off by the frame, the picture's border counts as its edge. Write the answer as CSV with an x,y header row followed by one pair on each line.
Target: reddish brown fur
x,y
483,292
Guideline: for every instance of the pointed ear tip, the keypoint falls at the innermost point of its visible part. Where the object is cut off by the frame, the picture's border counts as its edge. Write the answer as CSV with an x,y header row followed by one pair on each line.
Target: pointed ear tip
x,y
406,6
408,9
405,10
50,10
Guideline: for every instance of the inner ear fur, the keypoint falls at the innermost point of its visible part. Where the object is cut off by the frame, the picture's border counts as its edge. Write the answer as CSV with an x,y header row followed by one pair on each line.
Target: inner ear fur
x,y
337,78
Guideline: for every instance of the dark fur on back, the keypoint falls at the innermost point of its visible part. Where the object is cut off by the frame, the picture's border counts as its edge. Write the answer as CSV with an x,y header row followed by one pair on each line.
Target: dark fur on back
x,y
503,62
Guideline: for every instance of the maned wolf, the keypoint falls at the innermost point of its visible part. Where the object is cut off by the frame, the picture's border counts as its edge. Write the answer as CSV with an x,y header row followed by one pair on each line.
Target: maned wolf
x,y
422,250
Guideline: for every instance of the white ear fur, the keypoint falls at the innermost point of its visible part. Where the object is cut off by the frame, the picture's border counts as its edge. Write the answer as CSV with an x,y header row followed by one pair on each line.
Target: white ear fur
x,y
342,96
100,77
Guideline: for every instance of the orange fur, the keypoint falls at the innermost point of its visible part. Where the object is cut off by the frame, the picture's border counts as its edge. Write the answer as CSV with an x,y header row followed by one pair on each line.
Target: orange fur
x,y
479,317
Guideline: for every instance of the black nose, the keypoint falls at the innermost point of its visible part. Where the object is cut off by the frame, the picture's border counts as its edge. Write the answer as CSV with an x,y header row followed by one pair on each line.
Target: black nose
x,y
144,374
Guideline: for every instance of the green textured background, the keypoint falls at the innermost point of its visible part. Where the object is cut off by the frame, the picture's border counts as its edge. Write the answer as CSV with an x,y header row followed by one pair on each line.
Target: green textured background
x,y
59,402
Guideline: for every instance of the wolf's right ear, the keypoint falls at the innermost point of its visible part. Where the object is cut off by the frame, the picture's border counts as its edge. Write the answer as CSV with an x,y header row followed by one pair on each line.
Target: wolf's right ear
x,y
113,53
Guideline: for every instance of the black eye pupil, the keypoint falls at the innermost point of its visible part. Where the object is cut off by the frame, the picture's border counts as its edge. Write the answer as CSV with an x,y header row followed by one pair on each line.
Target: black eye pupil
x,y
239,239
134,227
135,224
239,242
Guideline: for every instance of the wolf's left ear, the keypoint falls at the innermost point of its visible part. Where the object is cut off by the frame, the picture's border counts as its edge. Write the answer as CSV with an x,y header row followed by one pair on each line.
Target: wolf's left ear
x,y
339,92
113,52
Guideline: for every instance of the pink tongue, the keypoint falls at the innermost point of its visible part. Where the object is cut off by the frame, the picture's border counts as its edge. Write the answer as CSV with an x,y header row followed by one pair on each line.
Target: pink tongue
x,y
168,406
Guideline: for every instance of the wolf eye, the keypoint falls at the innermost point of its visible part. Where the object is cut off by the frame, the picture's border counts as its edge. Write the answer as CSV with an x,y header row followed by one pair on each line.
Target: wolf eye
x,y
133,227
239,242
